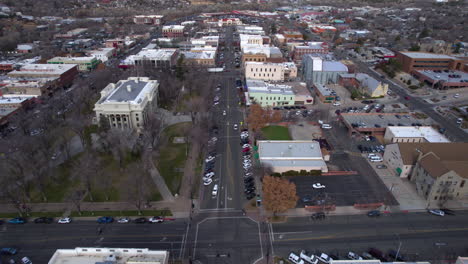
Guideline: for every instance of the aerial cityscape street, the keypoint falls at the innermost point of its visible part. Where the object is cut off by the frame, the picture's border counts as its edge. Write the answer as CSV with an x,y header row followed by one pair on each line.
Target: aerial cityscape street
x,y
207,131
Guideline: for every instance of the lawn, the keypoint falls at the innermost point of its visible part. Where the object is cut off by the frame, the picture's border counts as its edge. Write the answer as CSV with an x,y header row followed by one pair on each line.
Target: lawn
x,y
276,133
172,157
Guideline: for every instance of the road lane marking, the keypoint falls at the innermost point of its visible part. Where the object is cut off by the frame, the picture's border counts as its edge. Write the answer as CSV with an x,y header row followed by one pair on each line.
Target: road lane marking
x,y
356,236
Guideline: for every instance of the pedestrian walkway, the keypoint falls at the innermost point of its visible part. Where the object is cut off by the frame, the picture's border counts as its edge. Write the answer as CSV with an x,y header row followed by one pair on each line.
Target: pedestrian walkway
x,y
189,177
160,183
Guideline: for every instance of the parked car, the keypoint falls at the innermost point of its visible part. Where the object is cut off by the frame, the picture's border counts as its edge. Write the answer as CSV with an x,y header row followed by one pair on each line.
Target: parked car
x,y
326,126
437,212
354,256
214,192
366,255
64,220
123,220
318,185
448,211
156,219
318,216
373,213
105,220
17,220
26,260
207,181
381,166
140,220
43,220
8,251
377,254
396,256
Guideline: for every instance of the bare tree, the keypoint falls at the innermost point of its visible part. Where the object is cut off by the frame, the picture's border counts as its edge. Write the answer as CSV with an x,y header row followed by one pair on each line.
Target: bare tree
x,y
123,141
85,170
137,188
152,129
76,196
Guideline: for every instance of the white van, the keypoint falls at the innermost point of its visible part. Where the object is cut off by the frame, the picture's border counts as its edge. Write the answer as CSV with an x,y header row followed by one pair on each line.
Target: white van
x,y
215,190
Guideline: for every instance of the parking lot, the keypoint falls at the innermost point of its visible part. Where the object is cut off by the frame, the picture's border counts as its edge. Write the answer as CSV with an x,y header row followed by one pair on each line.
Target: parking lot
x,y
382,120
344,190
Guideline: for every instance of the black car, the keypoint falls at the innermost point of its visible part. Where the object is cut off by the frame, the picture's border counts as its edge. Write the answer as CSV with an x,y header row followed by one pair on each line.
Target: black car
x,y
318,216
43,220
249,179
249,185
448,211
140,220
373,213
395,255
360,147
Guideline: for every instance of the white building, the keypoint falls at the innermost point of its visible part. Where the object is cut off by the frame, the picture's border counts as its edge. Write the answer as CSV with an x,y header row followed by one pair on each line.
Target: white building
x,y
109,256
266,71
126,104
253,30
287,155
102,54
159,58
413,134
250,39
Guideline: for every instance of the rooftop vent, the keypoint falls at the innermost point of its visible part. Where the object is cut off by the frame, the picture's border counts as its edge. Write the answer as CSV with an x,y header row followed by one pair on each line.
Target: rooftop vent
x,y
129,88
290,146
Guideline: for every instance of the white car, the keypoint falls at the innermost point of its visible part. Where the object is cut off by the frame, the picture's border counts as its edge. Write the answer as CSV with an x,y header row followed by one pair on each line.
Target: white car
x,y
247,166
215,103
247,162
224,112
156,219
123,220
235,127
326,126
437,212
246,146
456,95
64,220
318,185
298,112
214,192
354,256
209,159
248,174
336,104
209,174
26,260
459,120
214,139
207,181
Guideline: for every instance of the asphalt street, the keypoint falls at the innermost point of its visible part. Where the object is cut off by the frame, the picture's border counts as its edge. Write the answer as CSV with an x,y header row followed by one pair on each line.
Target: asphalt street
x,y
422,236
228,170
39,241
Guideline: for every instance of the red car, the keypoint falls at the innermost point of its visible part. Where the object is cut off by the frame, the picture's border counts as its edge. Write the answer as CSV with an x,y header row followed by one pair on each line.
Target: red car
x,y
407,97
246,150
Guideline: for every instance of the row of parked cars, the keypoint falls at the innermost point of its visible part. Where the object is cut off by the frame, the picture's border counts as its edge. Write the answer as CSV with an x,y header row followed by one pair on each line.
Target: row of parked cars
x,y
293,107
249,182
11,251
100,220
371,149
304,257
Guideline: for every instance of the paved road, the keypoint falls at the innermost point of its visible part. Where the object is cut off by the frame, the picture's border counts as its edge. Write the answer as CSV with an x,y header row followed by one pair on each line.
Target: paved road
x,y
228,165
417,232
39,241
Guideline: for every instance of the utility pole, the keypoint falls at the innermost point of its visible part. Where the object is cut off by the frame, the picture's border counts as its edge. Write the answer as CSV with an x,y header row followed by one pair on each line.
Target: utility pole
x,y
399,247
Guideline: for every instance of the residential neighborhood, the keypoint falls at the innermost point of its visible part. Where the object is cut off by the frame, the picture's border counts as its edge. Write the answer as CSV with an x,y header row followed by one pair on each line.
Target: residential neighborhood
x,y
208,131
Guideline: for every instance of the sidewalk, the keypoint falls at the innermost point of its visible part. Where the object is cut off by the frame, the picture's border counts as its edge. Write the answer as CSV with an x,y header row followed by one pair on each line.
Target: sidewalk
x,y
178,207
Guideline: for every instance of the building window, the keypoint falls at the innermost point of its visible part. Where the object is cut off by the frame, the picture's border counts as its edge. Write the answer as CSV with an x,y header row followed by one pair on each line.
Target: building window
x,y
137,119
462,184
435,198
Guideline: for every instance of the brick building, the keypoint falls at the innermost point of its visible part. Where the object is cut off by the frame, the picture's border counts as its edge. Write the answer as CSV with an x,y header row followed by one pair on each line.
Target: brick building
x,y
148,20
173,31
412,61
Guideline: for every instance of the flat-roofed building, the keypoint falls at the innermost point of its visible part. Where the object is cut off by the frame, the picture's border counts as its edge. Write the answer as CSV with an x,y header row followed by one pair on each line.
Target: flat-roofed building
x,y
148,19
202,58
319,70
266,94
267,71
412,61
103,54
127,103
81,255
310,48
324,93
64,73
84,63
173,31
413,134
262,53
158,58
291,155
246,40
442,80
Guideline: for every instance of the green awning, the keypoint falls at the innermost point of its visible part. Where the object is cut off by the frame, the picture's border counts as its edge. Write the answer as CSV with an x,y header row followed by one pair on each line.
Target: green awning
x,y
398,170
